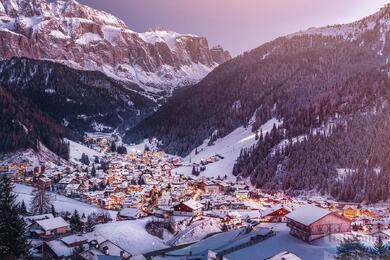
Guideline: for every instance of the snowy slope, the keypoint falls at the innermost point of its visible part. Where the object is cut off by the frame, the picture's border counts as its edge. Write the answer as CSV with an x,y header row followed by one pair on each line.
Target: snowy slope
x,y
76,150
228,147
131,236
282,241
61,203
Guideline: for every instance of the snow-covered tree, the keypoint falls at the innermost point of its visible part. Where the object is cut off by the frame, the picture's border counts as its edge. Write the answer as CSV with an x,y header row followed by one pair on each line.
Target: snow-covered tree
x,y
40,203
75,222
84,159
53,211
89,225
12,241
23,208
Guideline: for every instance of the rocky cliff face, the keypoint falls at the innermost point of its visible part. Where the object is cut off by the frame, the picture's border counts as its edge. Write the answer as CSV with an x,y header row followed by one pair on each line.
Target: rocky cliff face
x,y
85,38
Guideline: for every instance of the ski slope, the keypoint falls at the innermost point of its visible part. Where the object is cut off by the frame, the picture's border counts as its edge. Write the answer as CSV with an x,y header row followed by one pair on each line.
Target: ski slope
x,y
228,147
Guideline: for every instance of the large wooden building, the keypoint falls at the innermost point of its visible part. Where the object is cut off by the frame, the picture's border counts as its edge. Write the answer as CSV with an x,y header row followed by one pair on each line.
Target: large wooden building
x,y
310,222
275,214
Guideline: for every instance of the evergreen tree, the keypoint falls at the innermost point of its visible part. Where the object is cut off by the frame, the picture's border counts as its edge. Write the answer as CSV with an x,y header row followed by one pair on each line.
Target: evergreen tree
x,y
122,150
352,248
379,248
75,222
84,159
53,211
113,147
93,171
23,208
40,203
89,225
12,227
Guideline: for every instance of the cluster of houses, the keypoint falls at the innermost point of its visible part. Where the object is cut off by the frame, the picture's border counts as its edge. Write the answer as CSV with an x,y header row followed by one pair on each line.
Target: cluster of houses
x,y
52,238
143,184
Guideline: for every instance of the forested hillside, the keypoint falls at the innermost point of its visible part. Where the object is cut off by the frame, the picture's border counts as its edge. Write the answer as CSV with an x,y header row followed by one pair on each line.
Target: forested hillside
x,y
24,125
80,100
329,87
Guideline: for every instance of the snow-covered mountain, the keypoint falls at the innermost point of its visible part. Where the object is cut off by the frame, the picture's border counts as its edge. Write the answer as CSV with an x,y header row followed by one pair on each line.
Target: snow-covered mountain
x,y
329,88
85,38
377,24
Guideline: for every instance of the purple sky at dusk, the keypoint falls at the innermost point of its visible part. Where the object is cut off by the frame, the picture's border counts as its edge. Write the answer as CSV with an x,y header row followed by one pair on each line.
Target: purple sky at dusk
x,y
238,25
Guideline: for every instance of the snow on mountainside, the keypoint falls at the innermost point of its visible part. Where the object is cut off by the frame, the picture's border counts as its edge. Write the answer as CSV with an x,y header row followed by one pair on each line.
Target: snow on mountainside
x,y
353,31
229,147
85,38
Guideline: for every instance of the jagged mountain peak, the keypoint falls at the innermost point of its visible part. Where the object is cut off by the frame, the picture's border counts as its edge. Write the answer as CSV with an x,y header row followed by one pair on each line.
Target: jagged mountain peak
x,y
85,38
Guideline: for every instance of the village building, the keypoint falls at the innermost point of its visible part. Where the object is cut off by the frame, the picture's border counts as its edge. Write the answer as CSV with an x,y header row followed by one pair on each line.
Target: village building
x,y
188,208
50,227
210,187
275,214
310,222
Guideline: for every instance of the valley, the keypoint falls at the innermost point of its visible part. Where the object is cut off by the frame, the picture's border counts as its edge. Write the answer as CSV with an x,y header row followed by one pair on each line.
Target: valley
x,y
116,144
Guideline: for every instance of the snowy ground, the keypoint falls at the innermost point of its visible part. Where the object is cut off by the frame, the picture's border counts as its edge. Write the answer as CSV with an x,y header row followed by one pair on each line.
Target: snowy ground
x,y
229,147
131,235
61,203
34,158
76,150
195,232
321,249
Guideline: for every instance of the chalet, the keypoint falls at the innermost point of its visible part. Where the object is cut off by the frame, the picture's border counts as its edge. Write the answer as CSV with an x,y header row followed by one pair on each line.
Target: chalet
x,y
310,222
65,248
30,220
57,250
210,187
73,190
44,183
51,227
275,214
188,208
75,241
231,221
66,181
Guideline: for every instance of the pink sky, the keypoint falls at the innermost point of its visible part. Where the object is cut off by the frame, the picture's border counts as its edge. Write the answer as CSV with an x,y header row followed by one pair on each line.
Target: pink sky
x,y
237,25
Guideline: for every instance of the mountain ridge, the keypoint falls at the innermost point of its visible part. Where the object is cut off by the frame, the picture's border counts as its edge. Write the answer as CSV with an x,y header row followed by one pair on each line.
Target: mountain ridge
x,y
304,81
84,38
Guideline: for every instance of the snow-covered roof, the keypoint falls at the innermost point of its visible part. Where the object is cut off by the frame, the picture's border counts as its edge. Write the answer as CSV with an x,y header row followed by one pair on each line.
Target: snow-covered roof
x,y
284,256
193,204
52,223
128,212
39,217
74,239
308,214
30,219
268,211
59,248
